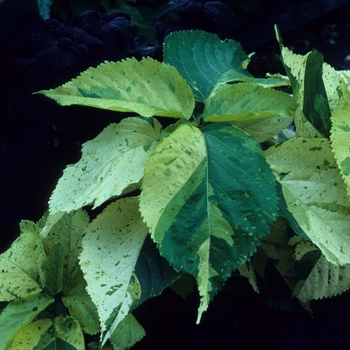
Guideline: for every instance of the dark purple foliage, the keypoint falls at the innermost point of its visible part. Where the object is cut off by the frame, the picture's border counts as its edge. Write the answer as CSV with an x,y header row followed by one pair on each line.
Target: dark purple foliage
x,y
210,16
54,52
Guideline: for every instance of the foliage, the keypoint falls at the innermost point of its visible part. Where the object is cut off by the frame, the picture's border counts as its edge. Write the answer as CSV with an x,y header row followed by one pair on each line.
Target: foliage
x,y
222,188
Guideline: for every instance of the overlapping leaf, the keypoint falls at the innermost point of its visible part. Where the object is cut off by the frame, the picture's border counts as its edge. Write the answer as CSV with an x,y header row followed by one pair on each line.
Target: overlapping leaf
x,y
29,336
20,313
208,197
264,129
146,87
153,273
128,332
111,248
111,164
241,102
315,194
324,280
68,233
273,260
202,59
63,332
334,89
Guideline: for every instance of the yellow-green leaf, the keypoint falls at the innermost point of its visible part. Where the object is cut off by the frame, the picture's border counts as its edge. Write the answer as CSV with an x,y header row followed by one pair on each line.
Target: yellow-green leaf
x,y
127,334
111,248
29,336
111,164
246,101
340,138
146,87
315,193
22,266
19,314
325,279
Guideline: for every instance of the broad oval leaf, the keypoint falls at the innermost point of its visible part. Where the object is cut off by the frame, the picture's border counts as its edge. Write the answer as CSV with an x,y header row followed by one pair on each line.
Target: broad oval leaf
x,y
340,138
111,248
208,197
315,193
245,101
146,87
22,266
203,58
111,164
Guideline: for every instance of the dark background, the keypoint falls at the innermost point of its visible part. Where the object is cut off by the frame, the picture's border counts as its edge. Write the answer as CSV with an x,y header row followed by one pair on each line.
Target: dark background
x,y
39,138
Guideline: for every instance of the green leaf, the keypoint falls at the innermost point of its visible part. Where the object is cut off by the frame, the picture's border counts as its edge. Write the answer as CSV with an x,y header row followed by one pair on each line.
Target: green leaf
x,y
22,266
335,84
340,138
68,233
202,59
153,273
146,87
316,108
111,247
127,334
315,193
248,102
29,336
54,270
20,313
111,164
79,303
208,197
323,280
292,64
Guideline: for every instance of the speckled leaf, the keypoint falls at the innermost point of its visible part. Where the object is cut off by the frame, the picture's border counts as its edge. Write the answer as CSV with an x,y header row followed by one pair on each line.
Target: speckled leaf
x,y
248,102
318,278
111,164
20,313
333,80
315,194
22,265
29,336
203,58
64,333
146,87
340,138
208,197
127,334
111,248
